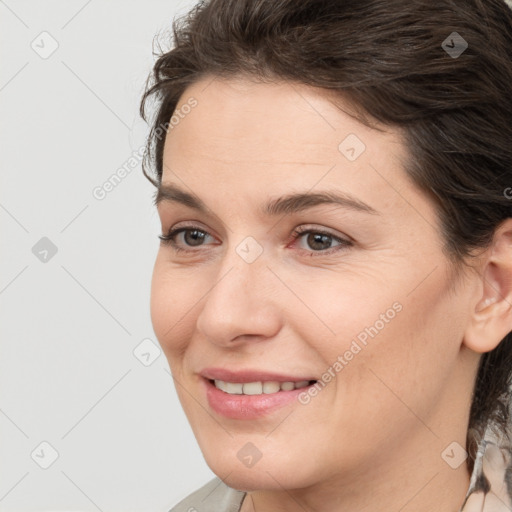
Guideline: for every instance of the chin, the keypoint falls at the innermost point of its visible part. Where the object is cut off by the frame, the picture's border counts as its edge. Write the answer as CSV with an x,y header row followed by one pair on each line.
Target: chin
x,y
263,475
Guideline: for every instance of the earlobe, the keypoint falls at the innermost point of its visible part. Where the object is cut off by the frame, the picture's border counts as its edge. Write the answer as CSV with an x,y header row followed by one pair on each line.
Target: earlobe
x,y
491,319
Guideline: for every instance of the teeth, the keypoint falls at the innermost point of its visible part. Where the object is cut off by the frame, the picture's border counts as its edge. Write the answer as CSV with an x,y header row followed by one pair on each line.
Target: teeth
x,y
258,388
233,388
220,384
271,387
287,386
253,388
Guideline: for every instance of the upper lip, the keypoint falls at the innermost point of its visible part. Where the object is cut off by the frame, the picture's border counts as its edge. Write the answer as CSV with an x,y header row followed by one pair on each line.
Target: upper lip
x,y
249,375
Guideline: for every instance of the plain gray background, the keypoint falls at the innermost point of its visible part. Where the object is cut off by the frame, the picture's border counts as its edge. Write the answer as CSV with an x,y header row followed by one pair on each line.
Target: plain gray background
x,y
80,394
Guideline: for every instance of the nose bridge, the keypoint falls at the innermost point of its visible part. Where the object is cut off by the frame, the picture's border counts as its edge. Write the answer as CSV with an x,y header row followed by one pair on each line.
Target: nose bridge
x,y
239,302
243,272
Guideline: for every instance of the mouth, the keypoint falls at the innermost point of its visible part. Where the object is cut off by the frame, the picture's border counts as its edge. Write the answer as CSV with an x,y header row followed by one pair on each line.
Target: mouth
x,y
259,387
252,400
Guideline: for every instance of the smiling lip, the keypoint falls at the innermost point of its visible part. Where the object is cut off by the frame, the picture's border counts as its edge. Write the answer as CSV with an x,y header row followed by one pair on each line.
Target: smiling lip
x,y
249,376
248,407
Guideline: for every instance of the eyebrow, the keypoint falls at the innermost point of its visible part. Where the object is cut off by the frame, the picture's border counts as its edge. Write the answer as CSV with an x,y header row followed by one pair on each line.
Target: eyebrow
x,y
287,204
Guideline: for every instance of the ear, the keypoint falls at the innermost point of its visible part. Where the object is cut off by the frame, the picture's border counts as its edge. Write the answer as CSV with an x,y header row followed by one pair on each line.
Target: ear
x,y
491,319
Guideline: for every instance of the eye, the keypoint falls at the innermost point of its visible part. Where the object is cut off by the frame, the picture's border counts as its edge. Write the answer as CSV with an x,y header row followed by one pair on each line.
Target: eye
x,y
319,241
193,235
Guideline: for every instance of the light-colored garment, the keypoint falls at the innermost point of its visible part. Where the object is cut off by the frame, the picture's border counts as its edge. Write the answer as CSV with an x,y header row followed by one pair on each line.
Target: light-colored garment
x,y
215,496
490,488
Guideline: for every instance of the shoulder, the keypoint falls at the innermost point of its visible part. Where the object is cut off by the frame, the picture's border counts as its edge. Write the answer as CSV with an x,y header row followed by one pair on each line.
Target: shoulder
x,y
215,496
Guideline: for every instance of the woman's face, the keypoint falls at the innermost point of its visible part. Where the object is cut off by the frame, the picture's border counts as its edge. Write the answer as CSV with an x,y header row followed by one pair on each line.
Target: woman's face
x,y
362,302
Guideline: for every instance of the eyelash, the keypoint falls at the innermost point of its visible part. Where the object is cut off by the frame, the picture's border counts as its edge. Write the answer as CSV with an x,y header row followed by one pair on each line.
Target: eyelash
x,y
168,240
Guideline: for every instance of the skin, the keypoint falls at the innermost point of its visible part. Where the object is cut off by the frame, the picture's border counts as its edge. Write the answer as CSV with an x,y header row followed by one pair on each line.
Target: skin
x,y
372,439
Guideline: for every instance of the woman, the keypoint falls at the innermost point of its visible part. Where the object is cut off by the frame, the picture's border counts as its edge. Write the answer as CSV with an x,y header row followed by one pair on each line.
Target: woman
x,y
333,289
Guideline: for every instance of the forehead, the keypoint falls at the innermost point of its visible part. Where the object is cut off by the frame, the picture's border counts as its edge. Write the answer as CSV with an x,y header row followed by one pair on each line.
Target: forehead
x,y
250,122
245,138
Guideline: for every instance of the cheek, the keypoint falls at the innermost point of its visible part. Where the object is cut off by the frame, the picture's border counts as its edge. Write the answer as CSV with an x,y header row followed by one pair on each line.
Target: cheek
x,y
168,307
381,330
342,312
406,365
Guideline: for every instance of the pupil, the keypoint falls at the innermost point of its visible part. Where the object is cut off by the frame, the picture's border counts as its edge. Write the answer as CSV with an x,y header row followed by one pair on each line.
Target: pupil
x,y
196,235
317,238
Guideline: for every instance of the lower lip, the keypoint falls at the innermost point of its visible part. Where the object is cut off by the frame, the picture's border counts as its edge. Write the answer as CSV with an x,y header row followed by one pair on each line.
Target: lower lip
x,y
248,407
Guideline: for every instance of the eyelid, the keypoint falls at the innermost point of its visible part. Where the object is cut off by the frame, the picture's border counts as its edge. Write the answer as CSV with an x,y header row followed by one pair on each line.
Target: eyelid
x,y
304,228
344,241
167,238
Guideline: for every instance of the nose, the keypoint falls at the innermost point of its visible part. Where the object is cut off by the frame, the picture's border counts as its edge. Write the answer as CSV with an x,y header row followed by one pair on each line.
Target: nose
x,y
242,304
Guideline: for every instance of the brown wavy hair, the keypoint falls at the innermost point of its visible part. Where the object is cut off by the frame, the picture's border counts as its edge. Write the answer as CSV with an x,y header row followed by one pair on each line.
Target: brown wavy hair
x,y
386,58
